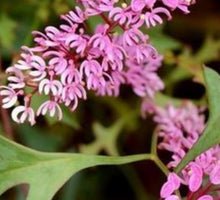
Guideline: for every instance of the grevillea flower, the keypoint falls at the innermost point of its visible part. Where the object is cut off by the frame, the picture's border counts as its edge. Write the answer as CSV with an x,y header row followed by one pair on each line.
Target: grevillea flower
x,y
193,175
172,184
50,86
16,78
137,5
69,60
181,4
205,197
167,190
22,113
9,96
215,175
153,18
52,107
179,129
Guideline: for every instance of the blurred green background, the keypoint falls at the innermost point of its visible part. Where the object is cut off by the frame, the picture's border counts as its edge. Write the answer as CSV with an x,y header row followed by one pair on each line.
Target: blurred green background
x,y
107,125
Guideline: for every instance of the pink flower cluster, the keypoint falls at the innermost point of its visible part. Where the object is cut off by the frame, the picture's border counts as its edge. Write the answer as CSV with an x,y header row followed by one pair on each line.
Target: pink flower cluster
x,y
179,129
173,183
68,61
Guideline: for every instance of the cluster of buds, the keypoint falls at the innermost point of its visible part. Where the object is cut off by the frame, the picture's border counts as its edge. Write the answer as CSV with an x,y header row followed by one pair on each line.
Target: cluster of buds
x,y
68,61
179,129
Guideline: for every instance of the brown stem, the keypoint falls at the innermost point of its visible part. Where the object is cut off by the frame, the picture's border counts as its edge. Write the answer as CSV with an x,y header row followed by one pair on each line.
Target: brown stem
x,y
6,122
205,190
190,196
110,23
106,19
4,113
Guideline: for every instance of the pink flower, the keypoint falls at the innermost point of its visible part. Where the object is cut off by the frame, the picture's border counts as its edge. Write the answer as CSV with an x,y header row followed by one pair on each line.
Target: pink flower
x,y
15,78
91,7
106,5
171,3
142,52
96,81
52,107
147,107
215,175
144,80
195,177
22,65
100,39
71,75
10,96
179,128
77,41
138,5
120,15
152,18
78,16
166,190
57,60
175,180
172,184
181,4
112,88
43,41
47,86
172,197
54,35
38,71
71,93
69,60
22,113
113,60
90,67
150,3
205,197
133,36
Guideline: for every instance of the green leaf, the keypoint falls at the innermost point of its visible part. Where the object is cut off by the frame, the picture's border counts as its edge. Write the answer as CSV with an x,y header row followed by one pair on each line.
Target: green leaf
x,y
105,139
39,138
210,136
46,172
161,41
204,54
7,31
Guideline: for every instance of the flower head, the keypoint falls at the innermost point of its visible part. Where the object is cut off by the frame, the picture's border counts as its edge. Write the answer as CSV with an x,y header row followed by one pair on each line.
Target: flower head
x,y
69,60
179,129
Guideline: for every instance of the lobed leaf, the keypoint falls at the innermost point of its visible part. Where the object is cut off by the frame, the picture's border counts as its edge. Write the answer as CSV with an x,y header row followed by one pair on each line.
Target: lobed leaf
x,y
46,172
211,134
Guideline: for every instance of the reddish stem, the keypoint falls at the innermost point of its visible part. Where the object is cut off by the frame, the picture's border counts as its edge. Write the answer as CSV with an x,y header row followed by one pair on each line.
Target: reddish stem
x,y
215,189
190,196
205,189
69,53
106,19
110,23
4,113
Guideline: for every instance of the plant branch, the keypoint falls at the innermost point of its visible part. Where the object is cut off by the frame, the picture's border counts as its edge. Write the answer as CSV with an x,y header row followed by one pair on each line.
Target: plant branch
x,y
8,130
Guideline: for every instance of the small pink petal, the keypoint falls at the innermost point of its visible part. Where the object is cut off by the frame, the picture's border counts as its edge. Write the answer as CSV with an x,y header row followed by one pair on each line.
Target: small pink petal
x,y
195,182
166,190
205,197
215,175
173,178
172,197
